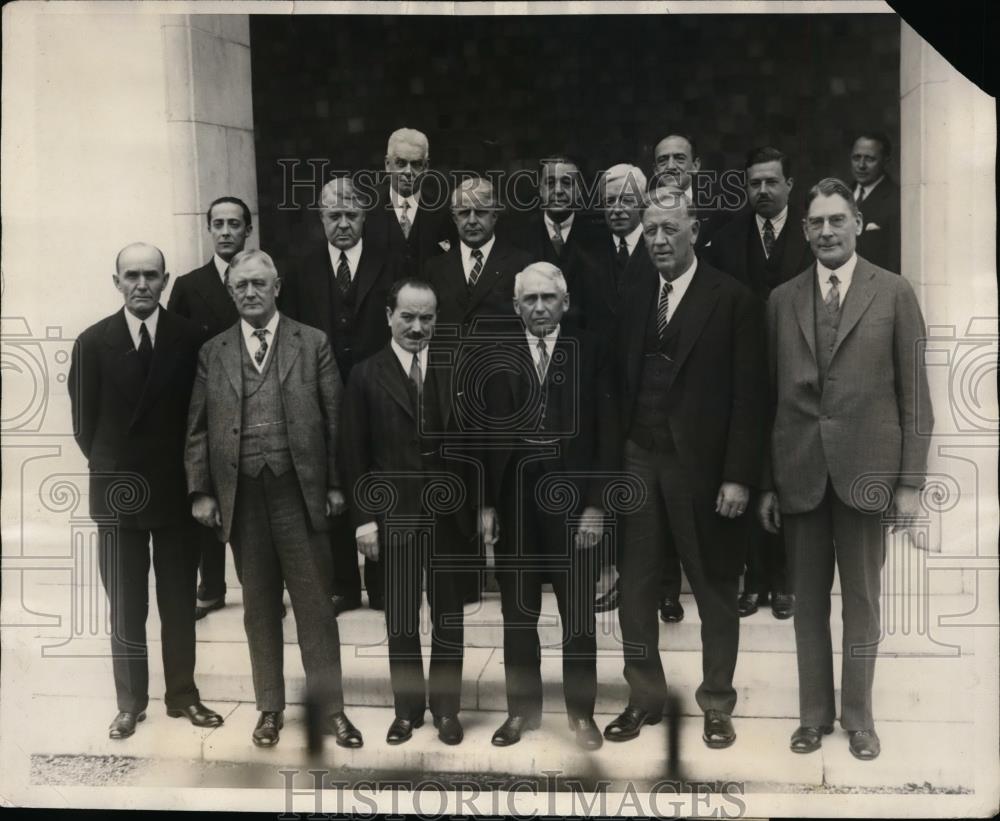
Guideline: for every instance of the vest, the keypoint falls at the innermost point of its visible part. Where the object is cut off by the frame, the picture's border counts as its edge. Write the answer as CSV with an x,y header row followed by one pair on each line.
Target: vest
x,y
826,330
263,434
342,315
765,271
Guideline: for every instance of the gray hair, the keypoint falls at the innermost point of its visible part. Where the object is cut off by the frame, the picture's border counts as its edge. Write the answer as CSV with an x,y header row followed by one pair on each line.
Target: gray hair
x,y
479,189
630,176
668,195
827,187
545,269
408,135
249,255
338,189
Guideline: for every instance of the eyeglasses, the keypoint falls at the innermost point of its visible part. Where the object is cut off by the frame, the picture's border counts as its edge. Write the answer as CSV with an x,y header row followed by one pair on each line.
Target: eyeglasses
x,y
837,221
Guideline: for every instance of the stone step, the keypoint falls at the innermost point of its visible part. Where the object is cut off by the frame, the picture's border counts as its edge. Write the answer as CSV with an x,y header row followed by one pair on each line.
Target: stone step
x,y
938,753
921,689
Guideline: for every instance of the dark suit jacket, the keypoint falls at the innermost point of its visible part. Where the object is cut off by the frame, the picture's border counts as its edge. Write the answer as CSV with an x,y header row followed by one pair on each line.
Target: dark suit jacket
x,y
600,299
310,394
716,401
490,305
381,433
306,297
201,297
127,423
585,416
880,246
431,226
728,250
863,420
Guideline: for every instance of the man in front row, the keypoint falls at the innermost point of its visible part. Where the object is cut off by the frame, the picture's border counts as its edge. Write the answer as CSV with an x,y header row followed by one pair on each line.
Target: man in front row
x,y
847,383
690,354
398,403
554,402
261,471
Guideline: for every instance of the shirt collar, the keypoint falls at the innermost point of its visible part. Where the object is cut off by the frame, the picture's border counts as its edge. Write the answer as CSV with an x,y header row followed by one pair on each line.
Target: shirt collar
x,y
631,239
845,273
221,266
353,256
405,357
550,337
682,282
134,322
397,200
777,223
248,329
867,189
565,226
485,249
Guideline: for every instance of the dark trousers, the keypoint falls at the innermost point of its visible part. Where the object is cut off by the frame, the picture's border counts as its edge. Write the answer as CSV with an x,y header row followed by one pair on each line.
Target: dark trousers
x,y
406,557
346,580
212,567
124,566
669,504
276,546
671,587
766,571
834,532
541,550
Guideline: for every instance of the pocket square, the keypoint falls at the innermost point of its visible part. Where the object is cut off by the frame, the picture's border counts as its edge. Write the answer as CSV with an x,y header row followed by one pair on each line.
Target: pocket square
x,y
873,226
445,245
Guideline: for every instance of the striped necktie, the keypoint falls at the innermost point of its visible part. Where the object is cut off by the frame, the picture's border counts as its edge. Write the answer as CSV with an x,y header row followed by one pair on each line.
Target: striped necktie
x,y
477,267
832,300
404,221
663,310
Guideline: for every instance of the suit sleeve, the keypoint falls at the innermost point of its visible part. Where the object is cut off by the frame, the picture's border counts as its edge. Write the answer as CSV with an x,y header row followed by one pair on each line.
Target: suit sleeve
x,y
745,441
178,302
766,474
354,445
288,296
84,393
608,434
331,392
196,456
912,392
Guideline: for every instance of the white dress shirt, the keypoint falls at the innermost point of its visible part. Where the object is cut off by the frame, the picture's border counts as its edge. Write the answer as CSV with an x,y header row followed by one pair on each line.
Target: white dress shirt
x,y
253,343
681,284
550,344
221,266
845,273
353,257
631,240
150,322
412,201
867,189
777,223
467,261
564,227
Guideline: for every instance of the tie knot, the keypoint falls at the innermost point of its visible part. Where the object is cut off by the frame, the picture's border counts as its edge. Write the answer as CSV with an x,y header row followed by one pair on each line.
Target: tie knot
x,y
143,330
768,225
477,255
667,287
261,333
622,245
834,280
405,205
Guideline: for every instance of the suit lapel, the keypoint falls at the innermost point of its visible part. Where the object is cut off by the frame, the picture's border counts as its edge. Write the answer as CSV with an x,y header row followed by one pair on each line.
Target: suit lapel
x,y
208,284
128,373
518,377
442,375
289,344
165,352
698,304
805,295
859,297
390,377
488,278
369,267
638,301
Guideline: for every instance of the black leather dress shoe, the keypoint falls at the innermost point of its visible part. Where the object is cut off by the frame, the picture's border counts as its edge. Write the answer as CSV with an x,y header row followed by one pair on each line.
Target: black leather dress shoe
x,y
268,728
749,603
347,735
198,714
671,610
864,744
124,723
608,600
809,739
401,730
449,729
628,724
588,737
719,732
510,731
341,604
783,605
202,610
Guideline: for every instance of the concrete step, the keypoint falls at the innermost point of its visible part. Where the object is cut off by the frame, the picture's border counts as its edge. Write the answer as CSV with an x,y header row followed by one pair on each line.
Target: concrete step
x,y
938,753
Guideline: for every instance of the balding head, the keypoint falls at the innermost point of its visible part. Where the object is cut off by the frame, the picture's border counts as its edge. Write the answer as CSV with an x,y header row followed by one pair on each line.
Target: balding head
x,y
141,277
474,209
141,251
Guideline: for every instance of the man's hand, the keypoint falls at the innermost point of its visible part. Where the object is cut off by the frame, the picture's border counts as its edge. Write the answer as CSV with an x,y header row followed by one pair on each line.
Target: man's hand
x,y
368,545
489,526
906,509
205,510
591,527
335,503
769,512
732,500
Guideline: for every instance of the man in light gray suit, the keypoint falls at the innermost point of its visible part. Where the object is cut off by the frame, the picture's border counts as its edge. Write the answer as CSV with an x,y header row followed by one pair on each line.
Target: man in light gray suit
x,y
846,386
260,465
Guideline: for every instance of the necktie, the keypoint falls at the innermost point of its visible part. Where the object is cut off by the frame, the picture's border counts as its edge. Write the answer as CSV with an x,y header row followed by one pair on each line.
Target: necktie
x,y
415,376
663,310
557,238
145,348
261,334
477,268
832,300
543,359
404,221
621,262
768,238
225,276
343,274
860,196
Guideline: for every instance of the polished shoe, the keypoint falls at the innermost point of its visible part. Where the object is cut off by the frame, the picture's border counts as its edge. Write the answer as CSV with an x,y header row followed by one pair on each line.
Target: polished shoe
x,y
628,724
449,729
202,610
783,605
401,730
608,600
749,603
809,739
864,744
376,602
510,731
719,732
671,610
124,724
341,604
266,733
198,714
347,734
588,736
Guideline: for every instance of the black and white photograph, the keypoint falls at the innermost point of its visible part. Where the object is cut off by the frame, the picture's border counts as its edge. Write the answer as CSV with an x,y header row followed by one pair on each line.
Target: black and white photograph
x,y
499,409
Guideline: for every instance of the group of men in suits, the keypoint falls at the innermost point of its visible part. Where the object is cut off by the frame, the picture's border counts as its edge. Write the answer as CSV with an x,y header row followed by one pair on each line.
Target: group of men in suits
x,y
280,410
